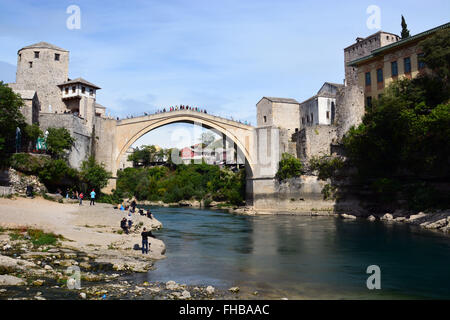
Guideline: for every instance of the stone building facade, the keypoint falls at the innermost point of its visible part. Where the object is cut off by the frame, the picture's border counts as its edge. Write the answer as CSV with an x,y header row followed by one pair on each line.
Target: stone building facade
x,y
363,47
381,66
53,100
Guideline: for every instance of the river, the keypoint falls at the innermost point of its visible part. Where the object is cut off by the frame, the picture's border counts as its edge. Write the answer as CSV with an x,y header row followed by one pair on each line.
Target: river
x,y
300,257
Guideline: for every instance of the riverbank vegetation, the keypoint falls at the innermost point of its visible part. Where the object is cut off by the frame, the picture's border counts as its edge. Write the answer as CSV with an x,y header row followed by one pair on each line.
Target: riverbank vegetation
x,y
182,182
401,151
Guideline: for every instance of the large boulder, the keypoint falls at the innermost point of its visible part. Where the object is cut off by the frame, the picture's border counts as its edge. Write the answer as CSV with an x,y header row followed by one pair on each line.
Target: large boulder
x,y
387,217
8,264
7,280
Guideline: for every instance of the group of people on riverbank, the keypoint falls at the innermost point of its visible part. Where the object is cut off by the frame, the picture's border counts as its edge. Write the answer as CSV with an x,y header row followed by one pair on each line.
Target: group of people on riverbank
x,y
74,194
127,222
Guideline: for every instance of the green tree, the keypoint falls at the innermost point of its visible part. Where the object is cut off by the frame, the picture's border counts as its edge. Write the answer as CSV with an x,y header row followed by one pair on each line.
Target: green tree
x,y
59,141
94,175
405,32
289,167
33,132
436,50
10,119
145,155
56,173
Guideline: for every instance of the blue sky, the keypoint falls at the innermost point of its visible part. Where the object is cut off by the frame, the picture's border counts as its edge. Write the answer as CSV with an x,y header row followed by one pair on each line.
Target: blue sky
x,y
221,55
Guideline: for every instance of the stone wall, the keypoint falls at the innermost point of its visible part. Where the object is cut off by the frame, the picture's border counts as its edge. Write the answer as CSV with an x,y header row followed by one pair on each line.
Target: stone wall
x,y
20,181
315,141
300,195
78,130
349,109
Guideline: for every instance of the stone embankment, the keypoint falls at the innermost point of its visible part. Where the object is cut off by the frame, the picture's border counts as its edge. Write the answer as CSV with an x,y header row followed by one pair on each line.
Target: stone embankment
x,y
439,220
20,181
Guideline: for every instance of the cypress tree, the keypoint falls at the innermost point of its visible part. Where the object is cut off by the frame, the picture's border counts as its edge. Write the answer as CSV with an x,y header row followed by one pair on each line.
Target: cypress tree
x,y
405,31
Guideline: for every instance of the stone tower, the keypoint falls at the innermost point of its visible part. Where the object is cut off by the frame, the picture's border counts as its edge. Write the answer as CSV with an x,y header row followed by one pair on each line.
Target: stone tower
x,y
363,47
41,67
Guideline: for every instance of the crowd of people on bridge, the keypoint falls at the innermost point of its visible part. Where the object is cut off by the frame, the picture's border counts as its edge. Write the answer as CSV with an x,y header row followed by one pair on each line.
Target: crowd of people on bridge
x,y
177,108
181,107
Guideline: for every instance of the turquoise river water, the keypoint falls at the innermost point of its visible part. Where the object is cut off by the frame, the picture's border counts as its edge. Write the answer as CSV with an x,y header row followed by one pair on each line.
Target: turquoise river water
x,y
298,257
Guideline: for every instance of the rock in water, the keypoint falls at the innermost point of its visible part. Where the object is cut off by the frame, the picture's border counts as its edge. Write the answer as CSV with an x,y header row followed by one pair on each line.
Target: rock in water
x,y
387,217
348,216
371,218
210,289
83,295
234,289
172,285
437,224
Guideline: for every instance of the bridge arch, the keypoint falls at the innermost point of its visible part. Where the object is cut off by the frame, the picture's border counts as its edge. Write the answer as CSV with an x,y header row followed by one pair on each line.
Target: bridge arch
x,y
128,131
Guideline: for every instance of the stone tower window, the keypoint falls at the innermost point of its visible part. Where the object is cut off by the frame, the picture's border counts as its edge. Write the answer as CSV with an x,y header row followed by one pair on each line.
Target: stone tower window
x,y
56,56
328,114
67,90
73,89
36,54
91,92
83,89
265,119
20,57
31,64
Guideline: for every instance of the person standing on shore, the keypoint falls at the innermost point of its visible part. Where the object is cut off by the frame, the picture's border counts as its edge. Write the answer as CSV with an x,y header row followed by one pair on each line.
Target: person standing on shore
x,y
80,196
145,234
129,219
92,198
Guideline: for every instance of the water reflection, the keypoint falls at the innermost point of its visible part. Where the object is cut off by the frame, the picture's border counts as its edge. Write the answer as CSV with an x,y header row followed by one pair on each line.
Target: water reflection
x,y
301,257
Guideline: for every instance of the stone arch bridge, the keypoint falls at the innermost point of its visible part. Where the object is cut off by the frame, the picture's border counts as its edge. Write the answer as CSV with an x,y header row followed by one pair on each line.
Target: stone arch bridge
x,y
259,146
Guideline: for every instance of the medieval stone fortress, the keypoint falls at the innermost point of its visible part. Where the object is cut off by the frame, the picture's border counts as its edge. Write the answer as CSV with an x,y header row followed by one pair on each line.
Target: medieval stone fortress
x,y
304,129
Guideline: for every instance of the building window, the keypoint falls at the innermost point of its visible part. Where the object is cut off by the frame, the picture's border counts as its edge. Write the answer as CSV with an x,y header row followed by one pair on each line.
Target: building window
x,y
333,112
369,102
56,56
36,54
307,119
407,63
31,64
368,79
91,92
394,68
20,57
67,90
379,75
83,89
328,114
420,62
312,118
265,119
73,89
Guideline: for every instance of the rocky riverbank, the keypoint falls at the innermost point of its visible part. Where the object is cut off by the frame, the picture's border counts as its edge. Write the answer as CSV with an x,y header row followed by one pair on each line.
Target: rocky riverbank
x,y
437,220
44,244
214,205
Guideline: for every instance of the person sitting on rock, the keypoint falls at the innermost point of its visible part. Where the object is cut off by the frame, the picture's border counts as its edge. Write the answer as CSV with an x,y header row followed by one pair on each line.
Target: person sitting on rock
x,y
123,225
149,214
141,212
